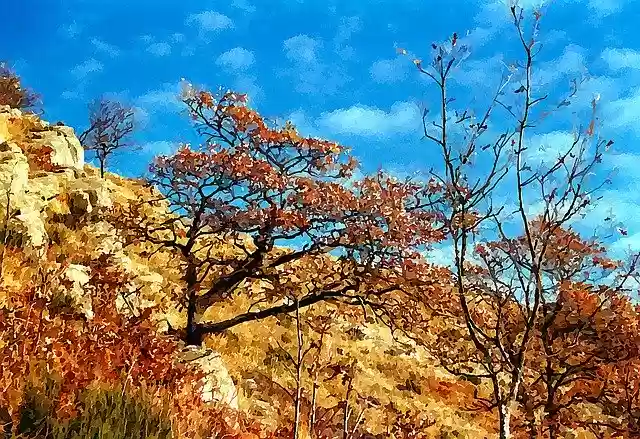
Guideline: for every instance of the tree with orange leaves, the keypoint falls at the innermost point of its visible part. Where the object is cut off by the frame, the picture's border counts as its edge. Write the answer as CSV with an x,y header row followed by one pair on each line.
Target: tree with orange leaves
x,y
587,329
282,204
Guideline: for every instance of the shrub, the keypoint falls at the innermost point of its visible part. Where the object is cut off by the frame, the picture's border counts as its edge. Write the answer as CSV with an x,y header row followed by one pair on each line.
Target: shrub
x,y
13,93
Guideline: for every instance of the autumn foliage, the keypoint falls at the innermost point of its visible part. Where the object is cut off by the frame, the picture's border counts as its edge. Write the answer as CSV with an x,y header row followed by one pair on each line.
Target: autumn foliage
x,y
46,340
285,204
315,284
12,92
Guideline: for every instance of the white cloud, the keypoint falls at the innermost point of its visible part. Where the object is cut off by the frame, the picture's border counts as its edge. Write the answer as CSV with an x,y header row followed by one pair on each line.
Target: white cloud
x,y
87,67
607,87
604,8
160,147
302,122
249,86
243,5
572,62
161,100
626,164
159,49
546,148
178,37
482,73
141,117
366,121
618,59
442,255
104,47
210,21
624,113
307,71
302,48
478,37
390,70
625,245
237,58
347,27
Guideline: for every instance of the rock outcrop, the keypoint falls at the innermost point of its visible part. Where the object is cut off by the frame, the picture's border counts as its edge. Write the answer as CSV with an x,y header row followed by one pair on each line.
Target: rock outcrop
x,y
218,386
50,197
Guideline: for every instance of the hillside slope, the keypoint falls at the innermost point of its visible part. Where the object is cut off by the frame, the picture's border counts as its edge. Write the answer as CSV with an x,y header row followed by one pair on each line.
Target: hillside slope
x,y
55,206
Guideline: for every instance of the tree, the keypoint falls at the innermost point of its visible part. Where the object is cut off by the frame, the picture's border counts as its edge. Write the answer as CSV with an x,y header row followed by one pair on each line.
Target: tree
x,y
589,328
506,286
12,92
260,210
111,125
619,400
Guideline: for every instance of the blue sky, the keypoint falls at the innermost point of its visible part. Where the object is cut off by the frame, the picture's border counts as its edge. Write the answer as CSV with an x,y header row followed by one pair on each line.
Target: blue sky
x,y
331,67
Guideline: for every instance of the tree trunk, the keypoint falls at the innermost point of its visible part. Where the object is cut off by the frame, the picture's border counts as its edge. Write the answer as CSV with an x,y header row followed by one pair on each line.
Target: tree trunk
x,y
347,412
504,415
101,168
296,422
194,334
314,396
194,331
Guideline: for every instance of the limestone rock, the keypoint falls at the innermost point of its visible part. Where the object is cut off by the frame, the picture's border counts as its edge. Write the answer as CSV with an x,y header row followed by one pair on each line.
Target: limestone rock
x,y
25,222
66,149
102,239
79,276
218,384
14,169
6,114
87,194
30,226
35,203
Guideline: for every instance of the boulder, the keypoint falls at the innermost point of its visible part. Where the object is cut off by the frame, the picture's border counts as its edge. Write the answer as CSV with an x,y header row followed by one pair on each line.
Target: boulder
x,y
66,149
25,222
89,194
30,226
14,169
79,276
218,386
79,203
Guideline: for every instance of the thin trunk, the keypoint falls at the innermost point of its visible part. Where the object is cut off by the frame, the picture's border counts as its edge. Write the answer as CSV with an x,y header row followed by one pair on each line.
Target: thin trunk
x,y
314,396
357,424
347,412
507,404
504,414
296,422
549,420
102,168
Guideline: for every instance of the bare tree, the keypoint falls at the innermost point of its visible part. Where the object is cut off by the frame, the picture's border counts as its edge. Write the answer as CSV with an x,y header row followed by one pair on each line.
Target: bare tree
x,y
505,286
111,124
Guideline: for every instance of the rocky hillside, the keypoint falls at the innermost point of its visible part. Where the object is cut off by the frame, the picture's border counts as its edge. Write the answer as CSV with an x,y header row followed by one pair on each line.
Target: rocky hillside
x,y
53,203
